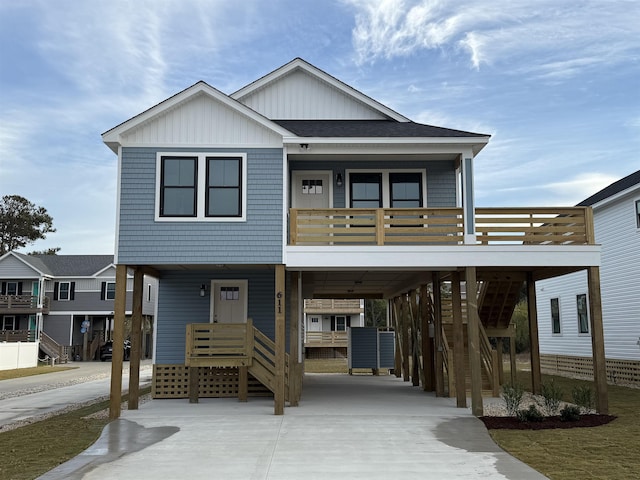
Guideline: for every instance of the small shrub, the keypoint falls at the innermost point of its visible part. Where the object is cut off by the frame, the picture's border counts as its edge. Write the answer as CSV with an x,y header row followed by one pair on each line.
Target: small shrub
x,y
512,396
583,397
552,394
531,414
570,413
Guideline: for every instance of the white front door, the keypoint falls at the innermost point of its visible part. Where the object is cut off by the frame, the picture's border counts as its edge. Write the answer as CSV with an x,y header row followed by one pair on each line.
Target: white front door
x,y
315,323
229,301
311,189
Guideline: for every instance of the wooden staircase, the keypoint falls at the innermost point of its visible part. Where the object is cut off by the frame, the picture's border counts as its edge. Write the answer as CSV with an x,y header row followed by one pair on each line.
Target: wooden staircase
x,y
59,353
497,300
235,345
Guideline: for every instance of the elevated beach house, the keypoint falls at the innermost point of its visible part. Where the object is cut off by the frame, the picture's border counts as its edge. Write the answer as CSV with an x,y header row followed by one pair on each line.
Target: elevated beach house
x,y
298,186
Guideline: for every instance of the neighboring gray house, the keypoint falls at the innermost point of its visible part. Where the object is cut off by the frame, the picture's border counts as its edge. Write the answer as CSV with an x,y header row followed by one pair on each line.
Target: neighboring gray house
x,y
68,297
565,341
298,186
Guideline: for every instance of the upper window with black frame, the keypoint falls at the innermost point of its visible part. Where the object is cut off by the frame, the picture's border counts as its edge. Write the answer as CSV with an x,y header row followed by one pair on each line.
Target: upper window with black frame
x,y
638,213
366,190
583,313
178,187
224,187
406,189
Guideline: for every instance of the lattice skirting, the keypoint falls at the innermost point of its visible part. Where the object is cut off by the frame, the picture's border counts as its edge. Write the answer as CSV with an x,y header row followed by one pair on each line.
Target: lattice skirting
x,y
325,352
618,371
172,381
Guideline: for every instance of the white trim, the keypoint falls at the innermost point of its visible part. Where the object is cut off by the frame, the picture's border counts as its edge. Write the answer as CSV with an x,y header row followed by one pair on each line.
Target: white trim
x,y
388,140
118,194
201,187
613,198
418,257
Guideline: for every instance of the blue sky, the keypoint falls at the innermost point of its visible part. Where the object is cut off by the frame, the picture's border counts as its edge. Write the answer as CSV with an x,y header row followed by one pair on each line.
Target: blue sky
x,y
556,84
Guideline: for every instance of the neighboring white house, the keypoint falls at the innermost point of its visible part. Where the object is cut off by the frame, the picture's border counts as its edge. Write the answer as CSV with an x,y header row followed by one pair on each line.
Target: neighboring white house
x,y
326,325
562,302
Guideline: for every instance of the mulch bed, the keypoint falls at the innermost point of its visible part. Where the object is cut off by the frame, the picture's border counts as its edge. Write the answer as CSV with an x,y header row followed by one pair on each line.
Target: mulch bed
x,y
590,420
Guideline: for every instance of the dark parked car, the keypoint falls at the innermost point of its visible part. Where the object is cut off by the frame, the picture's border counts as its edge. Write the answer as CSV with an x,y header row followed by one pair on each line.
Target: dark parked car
x,y
106,351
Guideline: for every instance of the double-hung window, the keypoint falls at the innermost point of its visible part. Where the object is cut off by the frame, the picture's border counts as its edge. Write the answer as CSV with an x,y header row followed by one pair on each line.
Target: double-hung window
x,y
64,291
201,187
224,187
178,187
394,189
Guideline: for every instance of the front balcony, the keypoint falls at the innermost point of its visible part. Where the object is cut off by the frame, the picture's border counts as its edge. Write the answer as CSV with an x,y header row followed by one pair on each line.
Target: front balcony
x,y
440,226
22,304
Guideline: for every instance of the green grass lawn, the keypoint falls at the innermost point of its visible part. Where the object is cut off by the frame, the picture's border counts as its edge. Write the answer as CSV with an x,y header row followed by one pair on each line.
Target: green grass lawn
x,y
32,450
610,451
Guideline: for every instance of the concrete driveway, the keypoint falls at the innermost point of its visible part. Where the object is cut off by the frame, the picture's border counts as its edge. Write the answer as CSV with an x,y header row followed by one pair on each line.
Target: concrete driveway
x,y
358,427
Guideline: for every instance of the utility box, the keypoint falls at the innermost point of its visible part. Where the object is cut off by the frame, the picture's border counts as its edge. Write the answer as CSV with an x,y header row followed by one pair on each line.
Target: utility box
x,y
371,348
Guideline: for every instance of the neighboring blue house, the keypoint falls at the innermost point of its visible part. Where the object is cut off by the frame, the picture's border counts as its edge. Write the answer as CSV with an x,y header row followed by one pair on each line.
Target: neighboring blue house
x,y
64,301
298,186
565,340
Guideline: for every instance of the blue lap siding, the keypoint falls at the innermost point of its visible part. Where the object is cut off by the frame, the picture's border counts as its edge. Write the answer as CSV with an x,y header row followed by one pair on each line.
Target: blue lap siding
x,y
258,240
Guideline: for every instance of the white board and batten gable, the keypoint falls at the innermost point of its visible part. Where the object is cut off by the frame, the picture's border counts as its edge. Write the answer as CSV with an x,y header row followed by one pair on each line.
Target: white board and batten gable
x,y
199,116
300,91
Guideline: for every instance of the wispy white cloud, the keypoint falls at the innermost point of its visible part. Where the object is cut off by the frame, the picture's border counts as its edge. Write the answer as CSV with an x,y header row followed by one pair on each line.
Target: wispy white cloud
x,y
547,37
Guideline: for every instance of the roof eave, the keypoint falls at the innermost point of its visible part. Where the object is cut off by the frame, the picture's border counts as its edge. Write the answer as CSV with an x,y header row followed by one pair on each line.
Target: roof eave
x,y
112,137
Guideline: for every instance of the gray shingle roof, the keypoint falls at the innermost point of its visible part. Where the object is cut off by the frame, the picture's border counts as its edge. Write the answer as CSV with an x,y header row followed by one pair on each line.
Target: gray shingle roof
x,y
616,187
68,265
368,128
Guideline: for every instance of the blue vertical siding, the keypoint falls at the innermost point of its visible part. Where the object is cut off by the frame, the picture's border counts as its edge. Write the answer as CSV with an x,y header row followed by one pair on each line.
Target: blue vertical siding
x,y
142,240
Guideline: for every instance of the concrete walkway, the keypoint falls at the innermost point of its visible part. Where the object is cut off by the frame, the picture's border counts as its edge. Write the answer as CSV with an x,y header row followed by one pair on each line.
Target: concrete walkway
x,y
53,392
359,427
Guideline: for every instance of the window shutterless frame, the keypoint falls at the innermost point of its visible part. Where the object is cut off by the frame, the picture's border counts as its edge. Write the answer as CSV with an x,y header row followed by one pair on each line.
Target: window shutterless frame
x,y
638,213
217,191
555,316
178,186
583,313
224,187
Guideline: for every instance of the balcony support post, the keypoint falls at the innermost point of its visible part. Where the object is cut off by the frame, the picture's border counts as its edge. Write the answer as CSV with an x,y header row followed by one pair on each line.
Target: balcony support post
x,y
280,331
458,342
597,341
294,342
437,335
115,397
473,341
534,342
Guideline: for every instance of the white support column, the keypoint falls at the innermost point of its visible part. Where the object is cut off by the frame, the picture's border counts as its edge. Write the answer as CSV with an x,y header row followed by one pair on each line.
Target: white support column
x,y
468,202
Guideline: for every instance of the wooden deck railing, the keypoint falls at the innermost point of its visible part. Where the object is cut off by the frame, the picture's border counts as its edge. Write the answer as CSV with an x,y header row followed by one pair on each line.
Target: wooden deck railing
x,y
17,335
234,345
326,339
22,303
440,226
330,305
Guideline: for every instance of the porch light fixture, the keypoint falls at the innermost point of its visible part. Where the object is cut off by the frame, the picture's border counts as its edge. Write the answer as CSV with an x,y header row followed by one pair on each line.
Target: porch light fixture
x,y
339,180
203,289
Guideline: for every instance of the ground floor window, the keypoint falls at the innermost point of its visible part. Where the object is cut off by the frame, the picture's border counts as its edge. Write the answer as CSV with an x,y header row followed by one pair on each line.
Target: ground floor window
x,y
583,315
555,315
